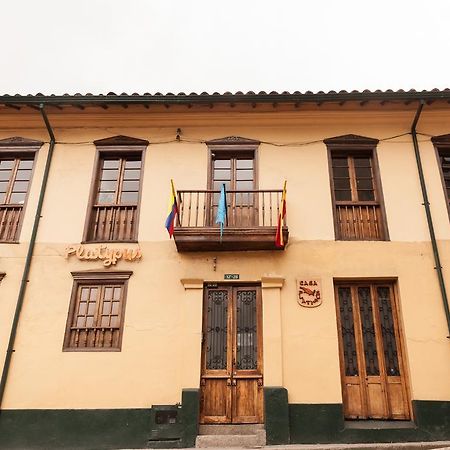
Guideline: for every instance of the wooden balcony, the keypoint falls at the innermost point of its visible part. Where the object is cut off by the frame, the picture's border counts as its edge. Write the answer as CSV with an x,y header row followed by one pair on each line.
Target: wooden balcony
x,y
252,221
10,217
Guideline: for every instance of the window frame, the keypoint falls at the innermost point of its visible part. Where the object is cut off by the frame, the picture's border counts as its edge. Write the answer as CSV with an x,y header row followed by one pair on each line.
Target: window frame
x,y
97,278
119,147
353,145
442,145
232,147
18,147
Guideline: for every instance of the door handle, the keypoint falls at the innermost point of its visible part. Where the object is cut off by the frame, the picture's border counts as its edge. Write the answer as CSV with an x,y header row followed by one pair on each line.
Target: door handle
x,y
229,382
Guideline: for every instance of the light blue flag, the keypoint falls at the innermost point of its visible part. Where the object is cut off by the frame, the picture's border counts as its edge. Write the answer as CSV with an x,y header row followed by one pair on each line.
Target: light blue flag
x,y
222,214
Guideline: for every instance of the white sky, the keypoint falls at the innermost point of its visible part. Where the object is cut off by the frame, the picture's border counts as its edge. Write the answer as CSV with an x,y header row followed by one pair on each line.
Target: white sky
x,y
98,46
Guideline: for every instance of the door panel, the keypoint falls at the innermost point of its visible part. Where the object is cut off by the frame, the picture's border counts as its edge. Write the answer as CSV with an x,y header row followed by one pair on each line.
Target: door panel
x,y
246,400
372,367
216,360
376,403
353,398
397,398
216,404
232,378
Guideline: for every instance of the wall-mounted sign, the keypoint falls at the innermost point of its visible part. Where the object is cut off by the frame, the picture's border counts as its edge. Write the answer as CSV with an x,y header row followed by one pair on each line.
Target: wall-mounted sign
x,y
109,256
231,276
309,292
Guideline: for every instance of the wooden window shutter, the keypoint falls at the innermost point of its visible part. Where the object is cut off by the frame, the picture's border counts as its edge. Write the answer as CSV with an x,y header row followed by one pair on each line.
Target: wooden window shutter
x,y
116,190
16,168
442,146
96,312
356,189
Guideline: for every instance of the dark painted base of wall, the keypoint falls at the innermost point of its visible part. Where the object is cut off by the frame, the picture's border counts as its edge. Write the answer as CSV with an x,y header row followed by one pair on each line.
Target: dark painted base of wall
x,y
101,429
142,428
324,423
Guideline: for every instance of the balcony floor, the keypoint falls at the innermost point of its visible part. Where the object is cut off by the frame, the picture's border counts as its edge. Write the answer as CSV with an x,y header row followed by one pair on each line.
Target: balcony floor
x,y
204,239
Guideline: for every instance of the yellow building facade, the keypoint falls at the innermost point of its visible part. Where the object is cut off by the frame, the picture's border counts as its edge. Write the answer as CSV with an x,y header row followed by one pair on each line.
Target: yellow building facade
x,y
117,335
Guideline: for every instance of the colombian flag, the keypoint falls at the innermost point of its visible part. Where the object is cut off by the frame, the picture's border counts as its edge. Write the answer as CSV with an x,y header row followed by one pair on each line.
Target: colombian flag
x,y
279,240
173,210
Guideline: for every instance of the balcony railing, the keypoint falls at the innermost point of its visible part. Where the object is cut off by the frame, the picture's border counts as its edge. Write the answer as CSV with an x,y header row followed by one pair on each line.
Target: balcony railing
x,y
359,221
251,222
112,223
10,216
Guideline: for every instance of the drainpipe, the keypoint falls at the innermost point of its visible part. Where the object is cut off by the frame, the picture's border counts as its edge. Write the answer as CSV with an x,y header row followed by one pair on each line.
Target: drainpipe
x,y
426,204
26,269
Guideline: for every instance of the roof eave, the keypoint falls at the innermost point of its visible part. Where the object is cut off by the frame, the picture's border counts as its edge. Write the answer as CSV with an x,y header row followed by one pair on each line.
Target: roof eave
x,y
183,99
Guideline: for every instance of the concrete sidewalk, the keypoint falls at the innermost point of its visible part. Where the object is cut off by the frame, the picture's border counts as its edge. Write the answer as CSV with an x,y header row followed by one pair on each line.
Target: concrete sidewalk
x,y
443,445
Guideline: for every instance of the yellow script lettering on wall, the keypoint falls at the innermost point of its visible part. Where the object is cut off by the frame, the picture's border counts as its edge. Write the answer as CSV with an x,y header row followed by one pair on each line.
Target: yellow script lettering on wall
x,y
309,292
109,256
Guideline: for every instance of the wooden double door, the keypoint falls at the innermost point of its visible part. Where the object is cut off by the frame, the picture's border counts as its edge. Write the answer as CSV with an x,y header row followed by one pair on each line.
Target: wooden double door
x,y
371,354
232,374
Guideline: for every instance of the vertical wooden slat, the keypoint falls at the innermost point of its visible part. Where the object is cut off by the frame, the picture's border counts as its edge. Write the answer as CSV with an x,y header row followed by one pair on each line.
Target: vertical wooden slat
x,y
189,209
375,220
361,222
353,223
369,227
270,208
204,208
250,221
241,215
347,220
278,204
196,209
263,210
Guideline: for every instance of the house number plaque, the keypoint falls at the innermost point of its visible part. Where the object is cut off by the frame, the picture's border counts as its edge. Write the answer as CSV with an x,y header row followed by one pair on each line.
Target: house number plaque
x,y
231,276
309,292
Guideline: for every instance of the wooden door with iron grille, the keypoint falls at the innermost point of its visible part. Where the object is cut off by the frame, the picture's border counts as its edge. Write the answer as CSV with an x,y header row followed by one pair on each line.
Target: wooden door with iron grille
x,y
372,365
232,376
237,172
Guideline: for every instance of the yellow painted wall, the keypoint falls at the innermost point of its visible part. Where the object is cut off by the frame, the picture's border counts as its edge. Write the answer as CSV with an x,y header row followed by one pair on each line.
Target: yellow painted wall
x,y
156,362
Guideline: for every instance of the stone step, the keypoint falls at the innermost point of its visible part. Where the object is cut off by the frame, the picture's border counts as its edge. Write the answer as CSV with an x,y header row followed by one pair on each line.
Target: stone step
x,y
231,440
231,429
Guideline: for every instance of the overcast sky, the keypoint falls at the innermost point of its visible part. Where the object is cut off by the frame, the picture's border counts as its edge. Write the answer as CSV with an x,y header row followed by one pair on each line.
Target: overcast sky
x,y
99,46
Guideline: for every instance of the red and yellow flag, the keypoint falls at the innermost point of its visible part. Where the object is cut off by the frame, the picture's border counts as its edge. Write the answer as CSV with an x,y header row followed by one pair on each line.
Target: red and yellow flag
x,y
279,240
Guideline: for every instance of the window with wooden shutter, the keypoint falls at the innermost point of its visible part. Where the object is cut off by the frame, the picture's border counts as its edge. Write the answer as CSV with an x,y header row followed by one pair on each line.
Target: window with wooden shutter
x,y
233,163
96,312
444,157
116,191
16,168
356,190
442,145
